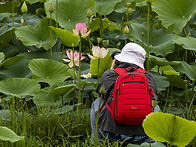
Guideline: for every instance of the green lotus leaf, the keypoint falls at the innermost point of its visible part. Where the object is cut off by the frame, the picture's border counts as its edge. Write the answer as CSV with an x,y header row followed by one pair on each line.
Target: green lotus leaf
x,y
15,67
103,67
174,14
11,61
19,87
157,144
121,6
165,70
70,12
172,129
160,42
162,61
6,35
48,71
4,15
61,90
177,81
187,69
7,134
44,100
38,36
105,7
67,37
7,7
63,109
161,82
188,43
32,1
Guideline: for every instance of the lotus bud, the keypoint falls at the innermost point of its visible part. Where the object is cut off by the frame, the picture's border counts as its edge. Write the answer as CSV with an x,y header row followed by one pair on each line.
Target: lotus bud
x,y
51,8
149,1
24,7
118,44
89,13
99,40
22,21
106,43
129,10
126,30
128,5
102,90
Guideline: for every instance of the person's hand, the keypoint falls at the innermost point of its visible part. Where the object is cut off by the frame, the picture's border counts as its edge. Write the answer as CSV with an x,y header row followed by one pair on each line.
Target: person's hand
x,y
113,64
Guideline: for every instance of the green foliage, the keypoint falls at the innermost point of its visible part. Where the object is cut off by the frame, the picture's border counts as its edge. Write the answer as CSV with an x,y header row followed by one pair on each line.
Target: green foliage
x,y
169,128
19,87
38,36
8,135
70,12
105,7
49,89
174,14
48,71
67,37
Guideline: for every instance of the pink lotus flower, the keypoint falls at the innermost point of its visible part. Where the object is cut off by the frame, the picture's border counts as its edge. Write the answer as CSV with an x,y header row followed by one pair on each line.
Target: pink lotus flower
x,y
98,53
73,58
81,29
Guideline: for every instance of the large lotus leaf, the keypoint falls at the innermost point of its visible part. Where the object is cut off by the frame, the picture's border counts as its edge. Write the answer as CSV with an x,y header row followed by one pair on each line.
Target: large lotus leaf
x,y
165,70
102,67
121,6
19,87
176,81
44,100
4,15
67,37
7,6
174,14
161,82
48,71
6,35
11,61
157,144
12,69
162,61
38,36
165,127
61,90
188,43
160,42
105,7
7,134
187,69
70,12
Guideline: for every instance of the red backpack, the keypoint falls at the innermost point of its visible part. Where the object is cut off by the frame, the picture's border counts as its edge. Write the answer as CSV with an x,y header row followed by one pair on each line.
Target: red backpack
x,y
132,97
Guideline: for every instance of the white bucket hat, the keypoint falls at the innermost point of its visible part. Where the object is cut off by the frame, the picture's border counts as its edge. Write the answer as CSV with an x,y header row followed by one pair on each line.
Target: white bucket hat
x,y
132,53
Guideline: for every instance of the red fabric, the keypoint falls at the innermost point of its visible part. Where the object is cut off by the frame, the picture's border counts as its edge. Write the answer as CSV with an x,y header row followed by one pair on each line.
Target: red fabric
x,y
132,97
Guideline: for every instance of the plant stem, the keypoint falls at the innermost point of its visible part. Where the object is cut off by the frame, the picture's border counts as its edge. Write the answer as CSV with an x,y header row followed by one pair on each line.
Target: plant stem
x,y
96,131
50,36
56,21
148,67
12,13
62,53
79,77
98,71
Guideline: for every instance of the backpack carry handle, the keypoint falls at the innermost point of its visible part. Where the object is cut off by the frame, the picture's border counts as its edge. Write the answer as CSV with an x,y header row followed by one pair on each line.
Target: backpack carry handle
x,y
136,69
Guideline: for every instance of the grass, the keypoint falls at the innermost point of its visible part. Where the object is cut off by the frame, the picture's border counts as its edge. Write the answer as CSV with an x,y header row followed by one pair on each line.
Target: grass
x,y
45,128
